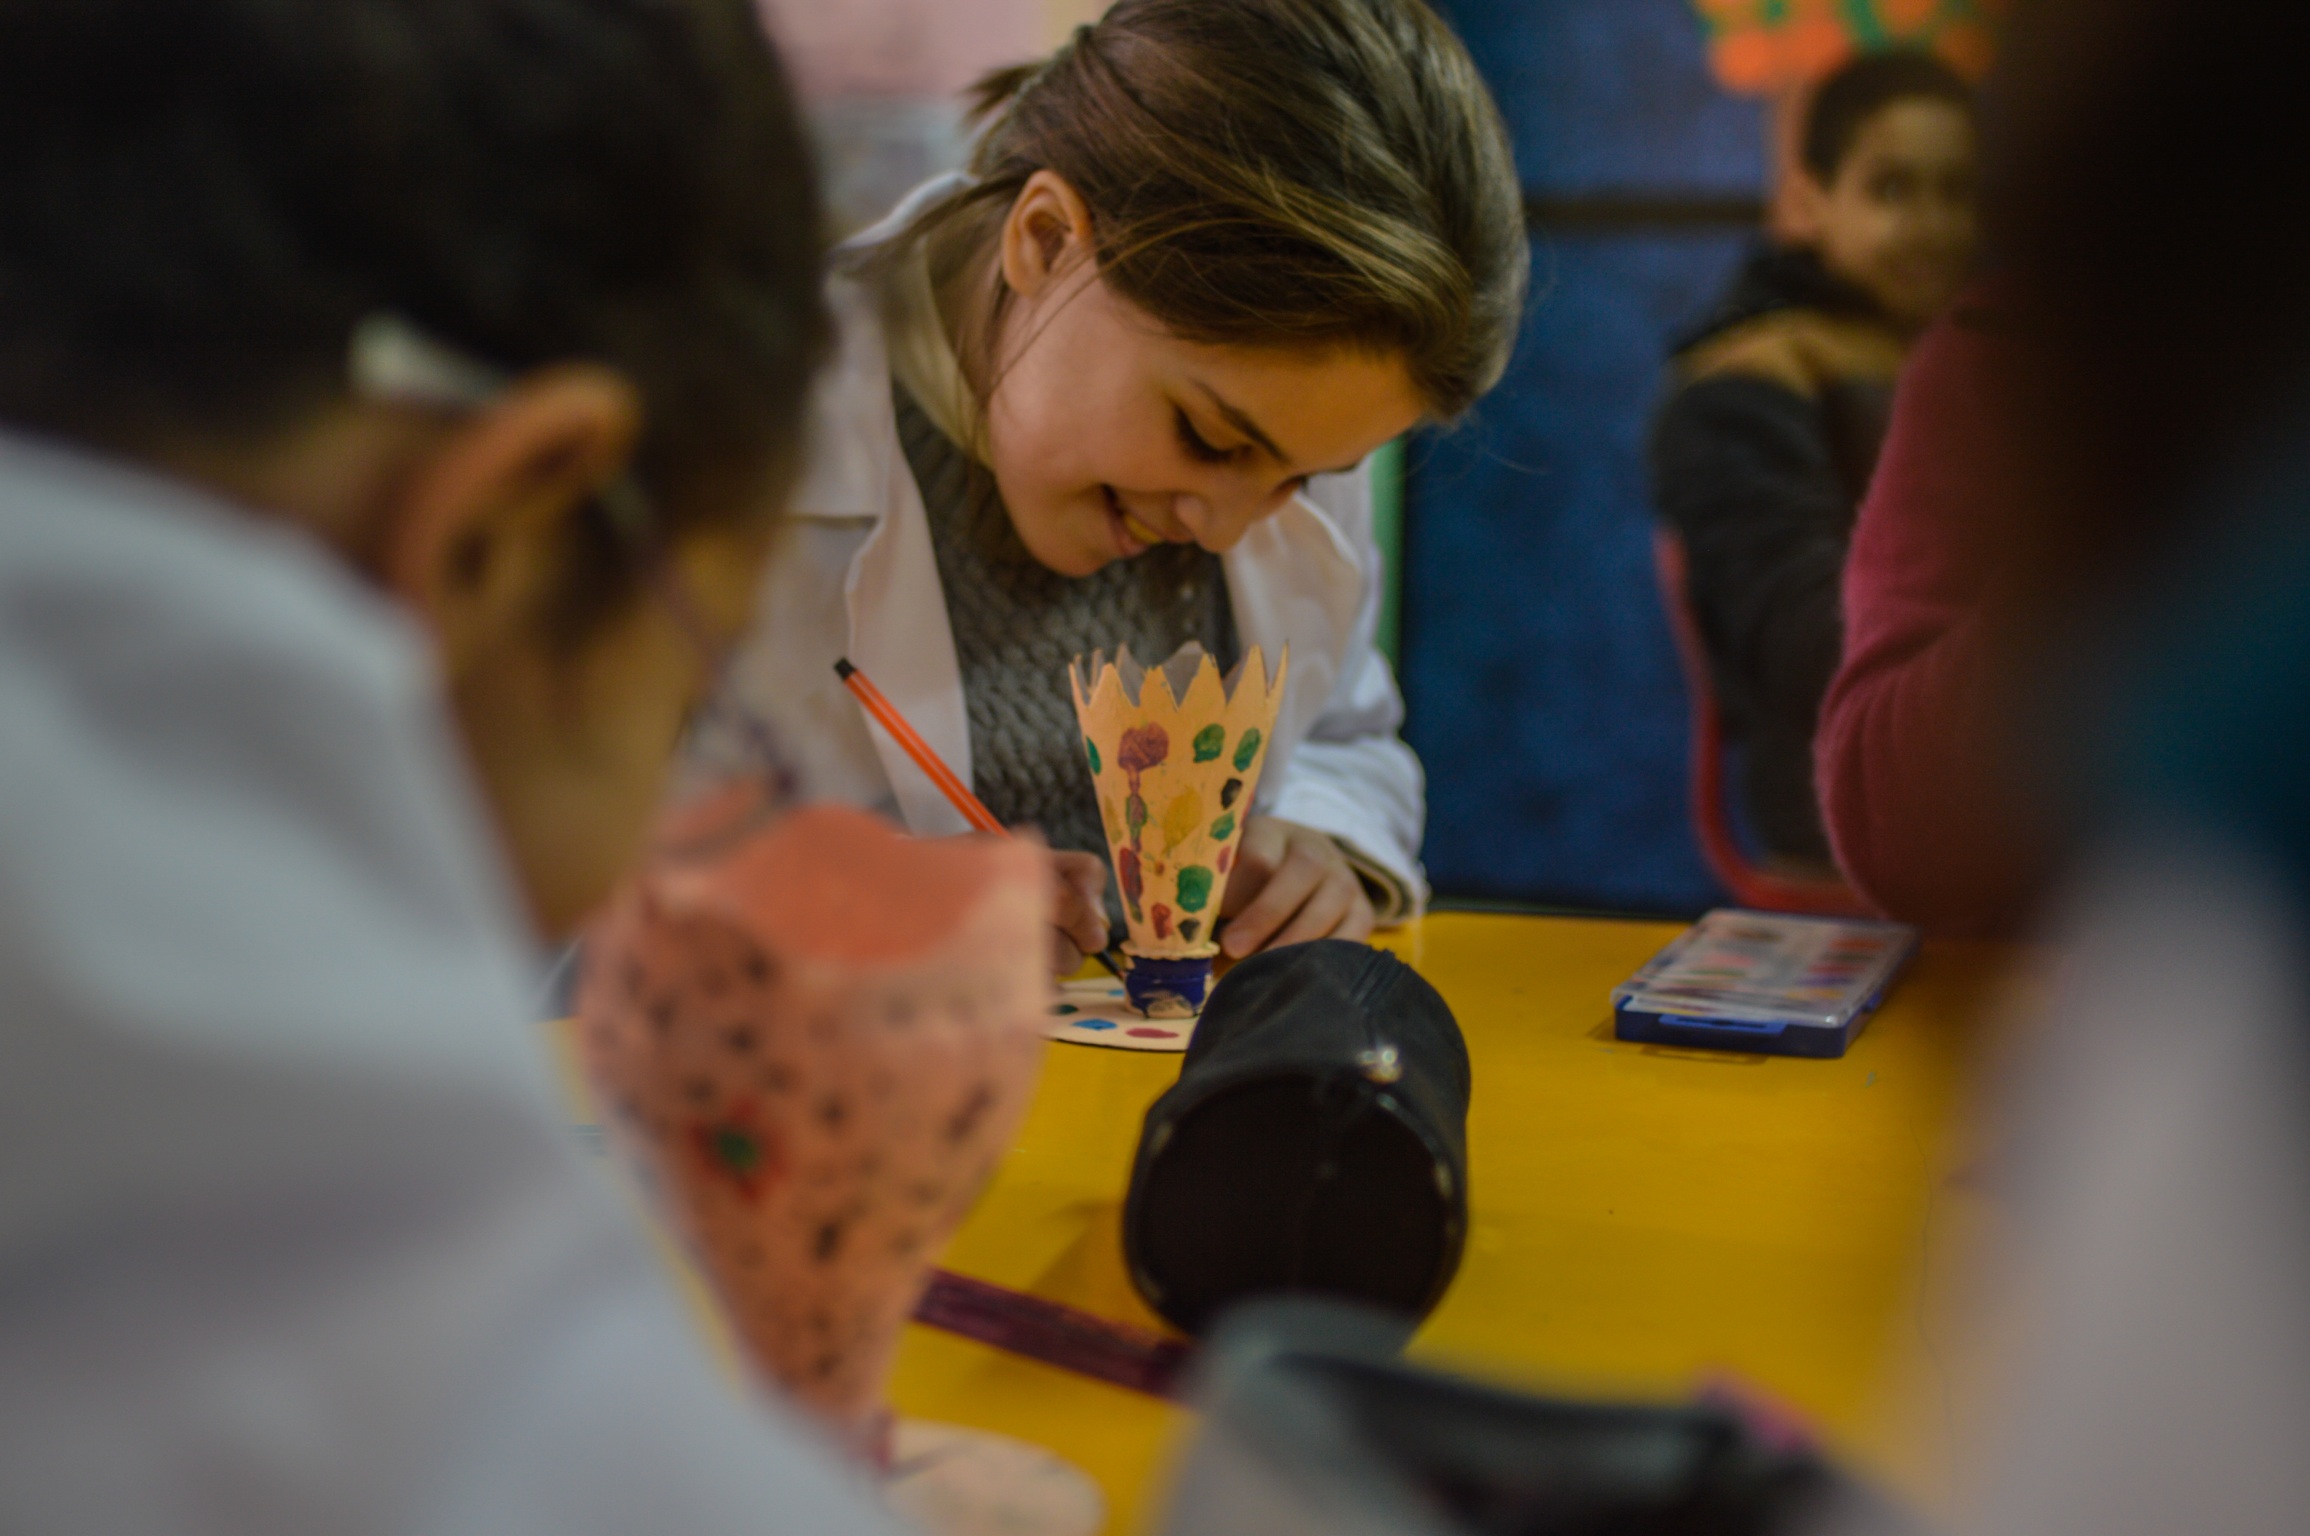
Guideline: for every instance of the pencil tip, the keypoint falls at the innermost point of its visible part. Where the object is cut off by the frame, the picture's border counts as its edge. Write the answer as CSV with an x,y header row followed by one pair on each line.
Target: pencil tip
x,y
843,668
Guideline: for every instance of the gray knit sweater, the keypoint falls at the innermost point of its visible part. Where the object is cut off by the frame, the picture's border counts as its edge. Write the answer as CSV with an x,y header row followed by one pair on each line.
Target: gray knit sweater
x,y
1018,623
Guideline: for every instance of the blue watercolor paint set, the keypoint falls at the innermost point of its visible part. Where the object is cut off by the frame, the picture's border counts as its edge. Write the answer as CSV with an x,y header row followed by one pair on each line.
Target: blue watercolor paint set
x,y
1764,982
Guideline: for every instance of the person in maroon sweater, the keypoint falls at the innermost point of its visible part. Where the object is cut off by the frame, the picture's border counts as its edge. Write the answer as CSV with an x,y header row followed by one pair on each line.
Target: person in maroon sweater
x,y
1922,810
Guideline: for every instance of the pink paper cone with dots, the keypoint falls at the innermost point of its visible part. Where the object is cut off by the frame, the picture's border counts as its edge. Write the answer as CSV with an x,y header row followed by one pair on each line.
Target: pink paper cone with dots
x,y
818,1039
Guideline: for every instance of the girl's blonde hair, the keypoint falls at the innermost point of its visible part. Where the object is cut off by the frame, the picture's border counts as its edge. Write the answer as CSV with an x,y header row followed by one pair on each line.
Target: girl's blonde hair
x,y
1276,173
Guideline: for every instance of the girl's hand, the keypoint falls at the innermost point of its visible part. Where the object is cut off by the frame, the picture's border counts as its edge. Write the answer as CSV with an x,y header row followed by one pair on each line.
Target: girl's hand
x,y
1080,910
1291,884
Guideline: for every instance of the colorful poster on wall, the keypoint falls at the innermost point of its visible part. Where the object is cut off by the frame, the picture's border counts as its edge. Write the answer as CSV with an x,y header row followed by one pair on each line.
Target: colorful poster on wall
x,y
1772,47
1778,49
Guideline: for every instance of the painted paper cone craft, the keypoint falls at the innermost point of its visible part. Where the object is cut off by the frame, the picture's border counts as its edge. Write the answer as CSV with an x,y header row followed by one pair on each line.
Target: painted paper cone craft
x,y
818,1039
1175,753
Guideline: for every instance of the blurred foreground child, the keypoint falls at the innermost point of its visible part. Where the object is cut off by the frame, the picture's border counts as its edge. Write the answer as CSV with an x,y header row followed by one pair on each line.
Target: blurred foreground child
x,y
337,650
1763,451
2153,627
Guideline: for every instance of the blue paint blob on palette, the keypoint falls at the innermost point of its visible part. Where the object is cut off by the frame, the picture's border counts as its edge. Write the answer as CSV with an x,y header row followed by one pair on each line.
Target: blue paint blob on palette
x,y
1095,1012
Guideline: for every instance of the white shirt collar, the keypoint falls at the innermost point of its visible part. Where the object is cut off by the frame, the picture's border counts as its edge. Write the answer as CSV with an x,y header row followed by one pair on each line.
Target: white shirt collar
x,y
921,354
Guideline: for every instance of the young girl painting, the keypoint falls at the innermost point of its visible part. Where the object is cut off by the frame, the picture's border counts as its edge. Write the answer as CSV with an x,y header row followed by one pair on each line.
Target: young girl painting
x,y
1115,384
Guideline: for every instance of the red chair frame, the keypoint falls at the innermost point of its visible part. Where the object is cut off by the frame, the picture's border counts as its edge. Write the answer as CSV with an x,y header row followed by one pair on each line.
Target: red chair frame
x,y
1711,820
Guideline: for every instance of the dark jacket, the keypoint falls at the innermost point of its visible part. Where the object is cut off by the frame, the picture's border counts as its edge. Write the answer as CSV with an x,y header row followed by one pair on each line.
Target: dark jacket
x,y
1760,455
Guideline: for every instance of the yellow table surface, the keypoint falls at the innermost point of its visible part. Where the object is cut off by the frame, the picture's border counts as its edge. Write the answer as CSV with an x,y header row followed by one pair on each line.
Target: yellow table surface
x,y
1643,1217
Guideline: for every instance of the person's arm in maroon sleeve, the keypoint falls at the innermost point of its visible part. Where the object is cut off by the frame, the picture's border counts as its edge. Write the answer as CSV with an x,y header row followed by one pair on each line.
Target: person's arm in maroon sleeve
x,y
1919,808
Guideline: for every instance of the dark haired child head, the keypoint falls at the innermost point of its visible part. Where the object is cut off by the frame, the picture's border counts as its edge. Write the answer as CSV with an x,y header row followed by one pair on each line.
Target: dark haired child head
x,y
1886,181
600,213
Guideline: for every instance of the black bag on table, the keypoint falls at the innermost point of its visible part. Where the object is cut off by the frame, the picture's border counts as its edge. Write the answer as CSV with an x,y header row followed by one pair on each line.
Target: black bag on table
x,y
1316,1141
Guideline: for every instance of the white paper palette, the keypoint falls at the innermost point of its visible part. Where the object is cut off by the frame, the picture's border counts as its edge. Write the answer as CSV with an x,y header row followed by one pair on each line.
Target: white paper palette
x,y
1095,1012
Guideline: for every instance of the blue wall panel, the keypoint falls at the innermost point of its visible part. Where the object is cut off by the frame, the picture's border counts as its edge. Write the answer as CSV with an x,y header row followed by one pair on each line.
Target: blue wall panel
x,y
1612,96
1542,686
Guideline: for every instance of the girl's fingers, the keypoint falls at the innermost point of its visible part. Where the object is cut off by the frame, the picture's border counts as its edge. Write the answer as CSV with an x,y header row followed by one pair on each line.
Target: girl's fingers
x,y
1286,891
1083,923
1328,911
1265,842
1081,910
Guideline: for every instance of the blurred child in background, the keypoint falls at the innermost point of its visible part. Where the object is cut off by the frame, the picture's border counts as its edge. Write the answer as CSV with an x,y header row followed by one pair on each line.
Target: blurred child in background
x,y
1764,448
373,378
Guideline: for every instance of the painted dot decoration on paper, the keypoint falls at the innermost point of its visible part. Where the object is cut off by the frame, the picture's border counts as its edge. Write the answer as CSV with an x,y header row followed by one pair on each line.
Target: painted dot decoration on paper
x,y
1146,746
1210,742
736,1153
1194,888
1247,750
1181,817
1130,877
1223,828
1091,751
734,1149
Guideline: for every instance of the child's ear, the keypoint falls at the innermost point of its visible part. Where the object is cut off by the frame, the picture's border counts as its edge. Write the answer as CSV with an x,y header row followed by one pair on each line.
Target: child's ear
x,y
475,541
1046,233
1805,212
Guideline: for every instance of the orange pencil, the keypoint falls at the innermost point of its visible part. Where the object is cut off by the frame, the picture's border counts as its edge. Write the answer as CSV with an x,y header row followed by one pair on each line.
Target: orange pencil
x,y
956,791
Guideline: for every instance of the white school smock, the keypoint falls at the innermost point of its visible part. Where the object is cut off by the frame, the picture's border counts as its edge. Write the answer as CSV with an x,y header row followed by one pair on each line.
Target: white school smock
x,y
856,577
291,1235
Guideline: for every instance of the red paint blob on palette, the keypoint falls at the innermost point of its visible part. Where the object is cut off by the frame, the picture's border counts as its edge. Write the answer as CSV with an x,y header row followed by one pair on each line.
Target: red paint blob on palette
x,y
1153,1034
